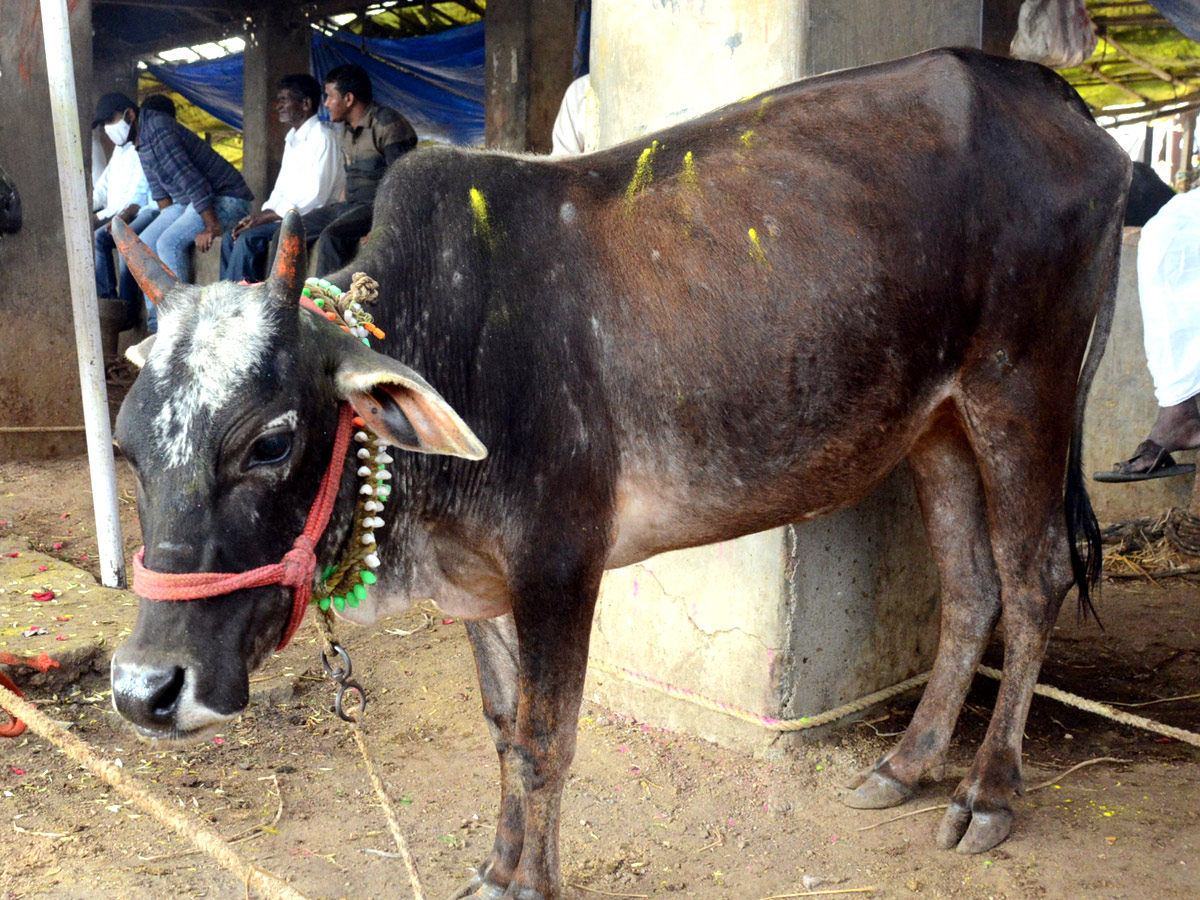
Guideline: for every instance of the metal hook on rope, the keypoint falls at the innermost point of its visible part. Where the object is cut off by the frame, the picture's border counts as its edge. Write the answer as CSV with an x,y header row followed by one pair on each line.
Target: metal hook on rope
x,y
341,677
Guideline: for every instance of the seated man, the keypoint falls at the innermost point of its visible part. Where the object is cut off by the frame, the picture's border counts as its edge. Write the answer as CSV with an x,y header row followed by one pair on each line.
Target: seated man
x,y
310,176
121,192
1168,266
200,193
373,138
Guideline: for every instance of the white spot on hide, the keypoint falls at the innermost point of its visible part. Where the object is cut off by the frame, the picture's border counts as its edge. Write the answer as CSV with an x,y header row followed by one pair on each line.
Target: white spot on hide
x,y
228,327
289,418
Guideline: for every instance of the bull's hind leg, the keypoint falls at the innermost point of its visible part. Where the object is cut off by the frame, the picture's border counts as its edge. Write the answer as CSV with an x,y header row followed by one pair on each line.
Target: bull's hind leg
x,y
494,643
952,504
1021,457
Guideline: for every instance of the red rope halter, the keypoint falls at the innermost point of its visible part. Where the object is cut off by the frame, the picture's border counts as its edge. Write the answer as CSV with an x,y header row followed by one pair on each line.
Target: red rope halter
x,y
296,570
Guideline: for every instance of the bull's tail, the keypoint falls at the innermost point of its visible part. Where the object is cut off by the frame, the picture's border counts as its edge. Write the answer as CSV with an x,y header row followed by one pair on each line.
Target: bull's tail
x,y
1083,529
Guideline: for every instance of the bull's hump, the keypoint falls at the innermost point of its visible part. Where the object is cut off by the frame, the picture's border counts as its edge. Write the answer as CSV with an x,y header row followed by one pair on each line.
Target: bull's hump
x,y
207,349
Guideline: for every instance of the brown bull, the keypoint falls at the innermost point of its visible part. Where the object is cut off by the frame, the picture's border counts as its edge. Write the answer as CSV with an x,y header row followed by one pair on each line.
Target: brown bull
x,y
743,321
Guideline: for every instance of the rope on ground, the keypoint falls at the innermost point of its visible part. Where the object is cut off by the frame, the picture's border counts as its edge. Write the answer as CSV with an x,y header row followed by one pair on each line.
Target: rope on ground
x,y
833,715
1108,712
323,619
206,839
767,722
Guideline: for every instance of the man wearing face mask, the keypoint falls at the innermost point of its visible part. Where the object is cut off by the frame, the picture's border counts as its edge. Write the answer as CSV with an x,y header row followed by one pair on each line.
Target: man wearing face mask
x,y
200,194
121,192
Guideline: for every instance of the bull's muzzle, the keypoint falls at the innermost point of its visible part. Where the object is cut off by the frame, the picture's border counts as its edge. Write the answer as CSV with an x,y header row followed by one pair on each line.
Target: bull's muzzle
x,y
159,695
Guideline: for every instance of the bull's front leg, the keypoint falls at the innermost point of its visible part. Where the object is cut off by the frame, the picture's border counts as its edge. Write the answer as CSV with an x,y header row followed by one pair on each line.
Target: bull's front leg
x,y
532,687
494,642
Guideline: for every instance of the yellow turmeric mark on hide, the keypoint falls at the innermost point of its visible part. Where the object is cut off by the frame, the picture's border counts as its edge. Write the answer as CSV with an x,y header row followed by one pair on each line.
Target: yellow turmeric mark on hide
x,y
756,249
483,222
643,174
762,110
747,138
688,177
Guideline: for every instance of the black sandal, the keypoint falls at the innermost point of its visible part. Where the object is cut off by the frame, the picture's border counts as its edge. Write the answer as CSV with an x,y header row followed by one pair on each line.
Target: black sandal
x,y
1162,465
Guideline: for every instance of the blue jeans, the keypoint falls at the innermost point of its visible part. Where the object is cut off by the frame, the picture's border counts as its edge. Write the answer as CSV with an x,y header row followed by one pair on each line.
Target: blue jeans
x,y
116,281
246,258
171,236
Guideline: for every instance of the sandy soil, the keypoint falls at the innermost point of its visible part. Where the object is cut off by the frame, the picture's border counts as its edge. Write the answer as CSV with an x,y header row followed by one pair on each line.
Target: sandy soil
x,y
647,813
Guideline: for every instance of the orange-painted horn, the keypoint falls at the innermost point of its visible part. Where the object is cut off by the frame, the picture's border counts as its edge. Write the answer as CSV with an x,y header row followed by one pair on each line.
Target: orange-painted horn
x,y
287,275
152,276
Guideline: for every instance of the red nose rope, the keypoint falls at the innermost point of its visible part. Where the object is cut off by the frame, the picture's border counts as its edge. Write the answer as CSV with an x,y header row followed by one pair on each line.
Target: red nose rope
x,y
297,569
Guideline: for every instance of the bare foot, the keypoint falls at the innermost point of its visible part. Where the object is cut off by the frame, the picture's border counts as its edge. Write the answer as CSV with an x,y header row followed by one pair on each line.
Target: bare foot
x,y
1177,427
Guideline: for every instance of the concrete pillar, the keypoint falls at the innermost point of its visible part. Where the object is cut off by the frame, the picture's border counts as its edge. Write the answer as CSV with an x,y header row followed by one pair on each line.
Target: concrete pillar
x,y
112,73
845,33
529,48
278,44
797,620
39,377
999,24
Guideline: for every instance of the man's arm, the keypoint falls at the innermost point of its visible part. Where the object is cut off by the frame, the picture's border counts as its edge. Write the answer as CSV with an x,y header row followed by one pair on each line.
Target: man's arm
x,y
253,221
212,230
158,192
100,196
396,138
177,168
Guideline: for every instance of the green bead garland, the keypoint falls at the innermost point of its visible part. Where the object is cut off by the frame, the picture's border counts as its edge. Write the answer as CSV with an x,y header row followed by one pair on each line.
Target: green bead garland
x,y
353,575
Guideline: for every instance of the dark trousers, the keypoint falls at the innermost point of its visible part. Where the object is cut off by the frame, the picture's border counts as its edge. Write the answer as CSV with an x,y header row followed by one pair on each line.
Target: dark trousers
x,y
116,281
246,258
337,228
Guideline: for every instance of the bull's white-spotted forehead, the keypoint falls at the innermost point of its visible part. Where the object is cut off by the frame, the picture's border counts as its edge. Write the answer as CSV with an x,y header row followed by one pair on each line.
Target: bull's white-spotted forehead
x,y
205,353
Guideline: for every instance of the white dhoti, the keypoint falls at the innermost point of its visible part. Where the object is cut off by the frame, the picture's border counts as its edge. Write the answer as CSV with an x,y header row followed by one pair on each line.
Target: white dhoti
x,y
1168,265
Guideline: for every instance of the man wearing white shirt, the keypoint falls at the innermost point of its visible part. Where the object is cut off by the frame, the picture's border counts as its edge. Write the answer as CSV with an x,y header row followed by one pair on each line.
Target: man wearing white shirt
x,y
311,175
121,192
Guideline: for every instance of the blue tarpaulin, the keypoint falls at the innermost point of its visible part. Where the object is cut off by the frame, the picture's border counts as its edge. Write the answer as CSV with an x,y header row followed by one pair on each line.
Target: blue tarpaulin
x,y
214,85
1183,14
436,80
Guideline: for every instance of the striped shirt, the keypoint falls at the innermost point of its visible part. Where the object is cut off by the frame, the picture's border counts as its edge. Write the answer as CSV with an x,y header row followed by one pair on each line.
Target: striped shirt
x,y
180,166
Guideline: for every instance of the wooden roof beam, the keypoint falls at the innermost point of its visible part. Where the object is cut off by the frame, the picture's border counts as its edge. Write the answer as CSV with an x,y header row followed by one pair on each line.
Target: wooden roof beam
x,y
1135,117
1095,70
1148,66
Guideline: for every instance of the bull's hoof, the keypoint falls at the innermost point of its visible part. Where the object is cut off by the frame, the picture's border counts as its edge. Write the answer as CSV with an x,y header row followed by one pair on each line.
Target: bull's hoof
x,y
973,832
876,791
479,889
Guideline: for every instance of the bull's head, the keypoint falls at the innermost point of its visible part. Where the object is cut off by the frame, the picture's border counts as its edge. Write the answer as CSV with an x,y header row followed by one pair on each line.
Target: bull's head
x,y
229,429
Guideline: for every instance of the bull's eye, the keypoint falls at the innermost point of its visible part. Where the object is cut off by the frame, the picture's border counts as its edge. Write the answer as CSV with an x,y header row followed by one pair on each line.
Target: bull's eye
x,y
270,448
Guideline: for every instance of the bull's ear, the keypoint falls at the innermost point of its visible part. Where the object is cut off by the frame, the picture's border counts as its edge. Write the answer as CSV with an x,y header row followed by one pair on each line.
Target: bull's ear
x,y
399,406
140,352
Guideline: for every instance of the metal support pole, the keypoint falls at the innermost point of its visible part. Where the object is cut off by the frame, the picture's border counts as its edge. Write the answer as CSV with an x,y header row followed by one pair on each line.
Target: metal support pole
x,y
60,72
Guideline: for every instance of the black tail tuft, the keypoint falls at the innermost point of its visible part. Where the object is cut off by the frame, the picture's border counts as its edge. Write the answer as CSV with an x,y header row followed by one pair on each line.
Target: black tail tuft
x,y
1083,532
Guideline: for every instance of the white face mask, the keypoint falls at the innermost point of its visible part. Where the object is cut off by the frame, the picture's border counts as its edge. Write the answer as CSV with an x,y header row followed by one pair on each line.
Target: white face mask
x,y
118,133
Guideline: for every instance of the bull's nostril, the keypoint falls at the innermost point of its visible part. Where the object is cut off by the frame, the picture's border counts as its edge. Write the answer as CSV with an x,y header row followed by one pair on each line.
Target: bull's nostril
x,y
165,697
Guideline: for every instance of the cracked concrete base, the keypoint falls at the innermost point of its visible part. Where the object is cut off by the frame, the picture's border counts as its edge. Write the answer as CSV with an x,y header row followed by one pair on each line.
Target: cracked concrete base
x,y
84,621
784,623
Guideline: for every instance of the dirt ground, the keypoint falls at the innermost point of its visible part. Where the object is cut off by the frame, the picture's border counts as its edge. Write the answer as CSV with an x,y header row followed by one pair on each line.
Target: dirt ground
x,y
647,813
